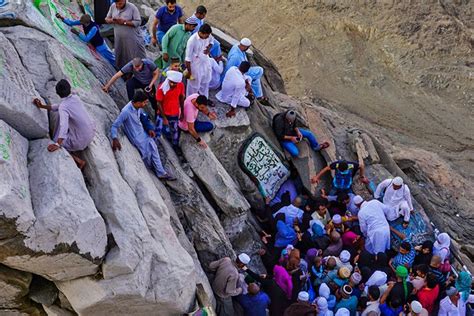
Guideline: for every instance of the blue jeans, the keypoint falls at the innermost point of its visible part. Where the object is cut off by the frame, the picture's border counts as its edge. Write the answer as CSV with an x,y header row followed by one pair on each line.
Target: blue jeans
x,y
256,72
105,52
203,127
293,149
160,35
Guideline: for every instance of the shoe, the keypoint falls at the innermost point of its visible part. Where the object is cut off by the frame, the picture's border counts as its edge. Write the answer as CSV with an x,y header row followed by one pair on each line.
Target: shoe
x,y
167,177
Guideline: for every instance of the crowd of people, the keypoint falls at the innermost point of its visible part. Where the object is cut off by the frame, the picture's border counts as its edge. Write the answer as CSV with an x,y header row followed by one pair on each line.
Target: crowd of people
x,y
336,254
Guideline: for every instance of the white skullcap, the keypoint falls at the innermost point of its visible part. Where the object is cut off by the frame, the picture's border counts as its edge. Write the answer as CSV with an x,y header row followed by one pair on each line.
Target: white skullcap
x,y
416,307
246,42
358,199
174,76
324,291
303,296
337,219
244,258
343,312
398,181
322,303
345,256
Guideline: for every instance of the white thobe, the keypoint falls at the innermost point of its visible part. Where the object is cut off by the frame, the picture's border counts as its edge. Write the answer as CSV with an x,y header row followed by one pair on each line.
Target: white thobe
x,y
233,89
399,200
217,69
291,212
374,226
200,65
447,308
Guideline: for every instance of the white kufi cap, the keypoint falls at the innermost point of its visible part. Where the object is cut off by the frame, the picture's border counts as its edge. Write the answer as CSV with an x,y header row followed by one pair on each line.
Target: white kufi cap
x,y
244,258
398,181
246,42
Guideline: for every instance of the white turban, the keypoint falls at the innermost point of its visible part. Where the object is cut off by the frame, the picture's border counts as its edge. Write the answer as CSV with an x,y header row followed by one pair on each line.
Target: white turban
x,y
345,256
343,312
246,42
337,219
303,296
324,291
171,75
398,181
358,199
244,258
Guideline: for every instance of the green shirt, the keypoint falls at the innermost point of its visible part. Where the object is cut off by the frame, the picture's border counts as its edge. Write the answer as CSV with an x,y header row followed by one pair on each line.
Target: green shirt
x,y
174,42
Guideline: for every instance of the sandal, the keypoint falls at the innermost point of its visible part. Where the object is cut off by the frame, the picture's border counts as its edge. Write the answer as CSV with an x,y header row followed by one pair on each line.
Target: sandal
x,y
324,145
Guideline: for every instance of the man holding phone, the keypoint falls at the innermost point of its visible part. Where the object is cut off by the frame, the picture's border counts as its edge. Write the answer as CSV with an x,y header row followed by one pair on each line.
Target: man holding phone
x,y
289,135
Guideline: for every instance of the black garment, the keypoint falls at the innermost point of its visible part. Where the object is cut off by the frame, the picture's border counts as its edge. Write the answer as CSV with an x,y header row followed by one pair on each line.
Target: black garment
x,y
281,126
278,300
297,283
399,291
301,309
97,39
133,84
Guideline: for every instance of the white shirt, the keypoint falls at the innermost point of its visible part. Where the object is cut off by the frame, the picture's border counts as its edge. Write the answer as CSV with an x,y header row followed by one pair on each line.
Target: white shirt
x,y
372,306
393,197
195,48
372,217
447,308
291,212
233,87
217,69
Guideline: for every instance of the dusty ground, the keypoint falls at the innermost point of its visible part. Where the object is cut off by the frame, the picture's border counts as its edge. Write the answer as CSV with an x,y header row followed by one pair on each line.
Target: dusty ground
x,y
407,67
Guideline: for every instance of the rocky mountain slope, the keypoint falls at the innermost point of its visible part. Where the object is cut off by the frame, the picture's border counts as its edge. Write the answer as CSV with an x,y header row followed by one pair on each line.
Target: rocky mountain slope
x,y
116,240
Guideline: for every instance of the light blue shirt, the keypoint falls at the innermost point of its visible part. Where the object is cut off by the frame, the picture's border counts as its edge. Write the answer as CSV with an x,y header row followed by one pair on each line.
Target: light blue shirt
x,y
235,57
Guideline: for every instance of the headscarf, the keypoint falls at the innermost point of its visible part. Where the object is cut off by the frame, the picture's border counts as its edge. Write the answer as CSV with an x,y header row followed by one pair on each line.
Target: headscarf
x,y
402,272
378,278
322,306
442,242
324,291
310,255
348,238
343,312
283,280
171,75
463,285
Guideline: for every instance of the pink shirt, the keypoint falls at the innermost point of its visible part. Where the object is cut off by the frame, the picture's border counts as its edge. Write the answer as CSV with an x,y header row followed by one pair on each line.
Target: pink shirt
x,y
190,112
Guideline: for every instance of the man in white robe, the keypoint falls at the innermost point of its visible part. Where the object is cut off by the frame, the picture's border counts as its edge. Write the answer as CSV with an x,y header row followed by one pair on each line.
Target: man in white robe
x,y
373,225
396,195
235,88
198,65
217,66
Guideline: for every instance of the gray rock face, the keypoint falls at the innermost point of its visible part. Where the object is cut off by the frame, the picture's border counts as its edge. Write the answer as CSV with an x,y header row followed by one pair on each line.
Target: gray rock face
x,y
17,93
14,285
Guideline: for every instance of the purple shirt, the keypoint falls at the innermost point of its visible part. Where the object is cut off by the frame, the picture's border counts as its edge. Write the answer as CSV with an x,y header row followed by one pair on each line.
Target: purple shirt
x,y
168,19
76,127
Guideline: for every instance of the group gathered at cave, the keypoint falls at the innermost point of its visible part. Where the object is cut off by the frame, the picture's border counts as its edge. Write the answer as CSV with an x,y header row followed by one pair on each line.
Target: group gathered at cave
x,y
329,252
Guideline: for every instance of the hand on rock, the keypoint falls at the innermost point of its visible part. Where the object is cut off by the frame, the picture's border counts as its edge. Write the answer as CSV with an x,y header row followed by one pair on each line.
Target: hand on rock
x,y
116,144
53,147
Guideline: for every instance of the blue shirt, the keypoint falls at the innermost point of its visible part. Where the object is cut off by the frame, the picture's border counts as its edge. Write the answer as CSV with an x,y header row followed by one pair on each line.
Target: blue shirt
x,y
388,311
198,26
285,235
254,305
135,124
235,57
349,303
168,19
87,37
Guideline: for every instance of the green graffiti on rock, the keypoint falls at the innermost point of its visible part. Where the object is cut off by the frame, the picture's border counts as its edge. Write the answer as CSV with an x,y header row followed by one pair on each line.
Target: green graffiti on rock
x,y
77,73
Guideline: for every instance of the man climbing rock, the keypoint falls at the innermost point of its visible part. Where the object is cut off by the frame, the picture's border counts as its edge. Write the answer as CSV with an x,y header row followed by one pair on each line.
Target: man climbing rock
x,y
286,130
74,128
91,35
140,132
396,195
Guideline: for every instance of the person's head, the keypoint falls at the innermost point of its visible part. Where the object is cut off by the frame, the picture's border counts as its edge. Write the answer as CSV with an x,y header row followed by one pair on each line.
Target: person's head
x,y
331,263
342,166
395,301
435,261
374,292
298,201
120,4
200,102
242,260
345,256
344,273
355,279
245,44
397,183
322,304
362,303
85,20
401,273
171,5
416,308
137,64
421,270
337,220
201,12
342,312
174,77
190,24
140,99
427,247
175,64
253,289
324,291
322,206
343,198
244,67
303,296
318,261
290,116
205,31
453,294
346,291
358,200
63,88
405,248
335,237
431,280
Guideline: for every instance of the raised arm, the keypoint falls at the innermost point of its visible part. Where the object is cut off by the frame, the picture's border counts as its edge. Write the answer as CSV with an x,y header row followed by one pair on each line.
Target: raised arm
x,y
317,177
111,81
382,186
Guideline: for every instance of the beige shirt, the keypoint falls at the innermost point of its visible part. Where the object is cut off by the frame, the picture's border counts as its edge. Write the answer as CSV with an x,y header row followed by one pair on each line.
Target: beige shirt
x,y
227,277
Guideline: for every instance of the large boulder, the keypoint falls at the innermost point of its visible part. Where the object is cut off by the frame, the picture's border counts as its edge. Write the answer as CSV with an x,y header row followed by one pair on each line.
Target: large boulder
x,y
16,95
14,285
67,238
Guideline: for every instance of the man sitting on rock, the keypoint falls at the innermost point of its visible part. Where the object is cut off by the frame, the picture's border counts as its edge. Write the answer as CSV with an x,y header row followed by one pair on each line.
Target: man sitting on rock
x,y
170,97
287,132
235,88
140,132
91,35
76,128
395,194
344,171
226,282
236,55
188,117
145,74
